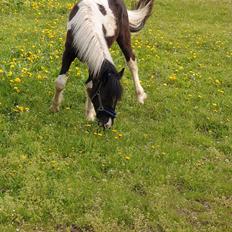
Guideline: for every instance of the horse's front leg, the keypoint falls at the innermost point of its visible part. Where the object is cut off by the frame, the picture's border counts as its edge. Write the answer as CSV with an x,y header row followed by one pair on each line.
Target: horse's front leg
x,y
59,88
89,109
60,83
124,42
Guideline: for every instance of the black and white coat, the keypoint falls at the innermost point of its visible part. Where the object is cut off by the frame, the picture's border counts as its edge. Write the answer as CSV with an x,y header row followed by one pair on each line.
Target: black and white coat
x,y
92,28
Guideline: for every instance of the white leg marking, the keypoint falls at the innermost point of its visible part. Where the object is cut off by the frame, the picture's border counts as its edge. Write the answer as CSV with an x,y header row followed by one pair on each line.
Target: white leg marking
x,y
89,109
58,97
141,95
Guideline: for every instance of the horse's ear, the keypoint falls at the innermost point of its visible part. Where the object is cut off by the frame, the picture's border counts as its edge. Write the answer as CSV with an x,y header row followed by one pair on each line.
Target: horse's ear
x,y
121,73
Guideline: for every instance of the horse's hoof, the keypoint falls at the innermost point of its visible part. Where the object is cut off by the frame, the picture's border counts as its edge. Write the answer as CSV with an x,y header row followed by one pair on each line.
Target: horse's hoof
x,y
90,117
54,109
141,97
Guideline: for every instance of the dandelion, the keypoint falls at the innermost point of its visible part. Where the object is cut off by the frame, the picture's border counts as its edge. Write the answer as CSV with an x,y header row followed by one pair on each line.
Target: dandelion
x,y
127,157
9,74
17,80
69,6
120,135
21,109
40,77
221,91
194,55
12,66
172,77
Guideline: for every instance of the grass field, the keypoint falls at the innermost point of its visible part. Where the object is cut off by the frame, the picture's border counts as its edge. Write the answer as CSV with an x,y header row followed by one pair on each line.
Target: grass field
x,y
165,166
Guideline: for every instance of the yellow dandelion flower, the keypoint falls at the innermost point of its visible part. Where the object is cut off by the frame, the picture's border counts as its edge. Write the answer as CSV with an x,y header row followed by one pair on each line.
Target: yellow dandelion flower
x,y
221,91
69,6
172,77
12,66
21,109
17,80
10,74
127,157
39,77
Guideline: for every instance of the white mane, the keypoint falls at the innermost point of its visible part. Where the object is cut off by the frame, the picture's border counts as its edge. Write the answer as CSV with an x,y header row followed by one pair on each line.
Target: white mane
x,y
87,26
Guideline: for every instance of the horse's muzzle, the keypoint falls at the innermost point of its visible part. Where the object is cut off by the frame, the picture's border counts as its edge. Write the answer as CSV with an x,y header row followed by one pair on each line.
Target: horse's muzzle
x,y
106,124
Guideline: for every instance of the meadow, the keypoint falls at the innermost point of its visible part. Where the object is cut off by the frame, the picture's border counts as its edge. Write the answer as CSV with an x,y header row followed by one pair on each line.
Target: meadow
x,y
164,167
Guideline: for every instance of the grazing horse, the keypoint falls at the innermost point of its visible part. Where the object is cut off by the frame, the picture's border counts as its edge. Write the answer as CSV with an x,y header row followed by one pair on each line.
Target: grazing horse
x,y
92,28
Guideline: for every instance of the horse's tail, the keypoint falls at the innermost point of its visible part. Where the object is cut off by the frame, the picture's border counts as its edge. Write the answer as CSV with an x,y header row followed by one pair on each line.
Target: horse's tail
x,y
140,14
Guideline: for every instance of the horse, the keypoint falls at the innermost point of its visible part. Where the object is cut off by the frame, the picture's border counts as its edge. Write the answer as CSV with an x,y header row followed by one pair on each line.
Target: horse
x,y
93,26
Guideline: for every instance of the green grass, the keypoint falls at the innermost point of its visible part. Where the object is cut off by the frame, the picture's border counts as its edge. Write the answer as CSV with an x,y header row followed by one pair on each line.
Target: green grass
x,y
166,166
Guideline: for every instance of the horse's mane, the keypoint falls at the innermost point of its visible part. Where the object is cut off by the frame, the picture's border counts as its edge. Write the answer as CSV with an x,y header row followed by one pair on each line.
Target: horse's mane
x,y
89,39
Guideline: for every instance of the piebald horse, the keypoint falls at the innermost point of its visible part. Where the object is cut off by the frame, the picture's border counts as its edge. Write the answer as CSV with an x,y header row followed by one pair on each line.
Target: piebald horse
x,y
92,28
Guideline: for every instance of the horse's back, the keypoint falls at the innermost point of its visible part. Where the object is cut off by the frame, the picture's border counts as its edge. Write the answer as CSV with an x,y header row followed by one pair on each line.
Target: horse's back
x,y
99,12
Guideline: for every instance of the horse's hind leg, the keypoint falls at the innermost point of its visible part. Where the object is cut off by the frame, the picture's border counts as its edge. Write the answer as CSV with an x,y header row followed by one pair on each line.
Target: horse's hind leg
x,y
124,42
68,57
141,95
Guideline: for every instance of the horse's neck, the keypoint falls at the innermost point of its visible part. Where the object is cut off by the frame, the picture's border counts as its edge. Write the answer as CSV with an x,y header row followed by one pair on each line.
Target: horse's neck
x,y
89,39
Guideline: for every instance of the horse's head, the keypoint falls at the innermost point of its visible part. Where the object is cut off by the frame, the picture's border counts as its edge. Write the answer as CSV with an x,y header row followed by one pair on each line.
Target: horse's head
x,y
106,91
